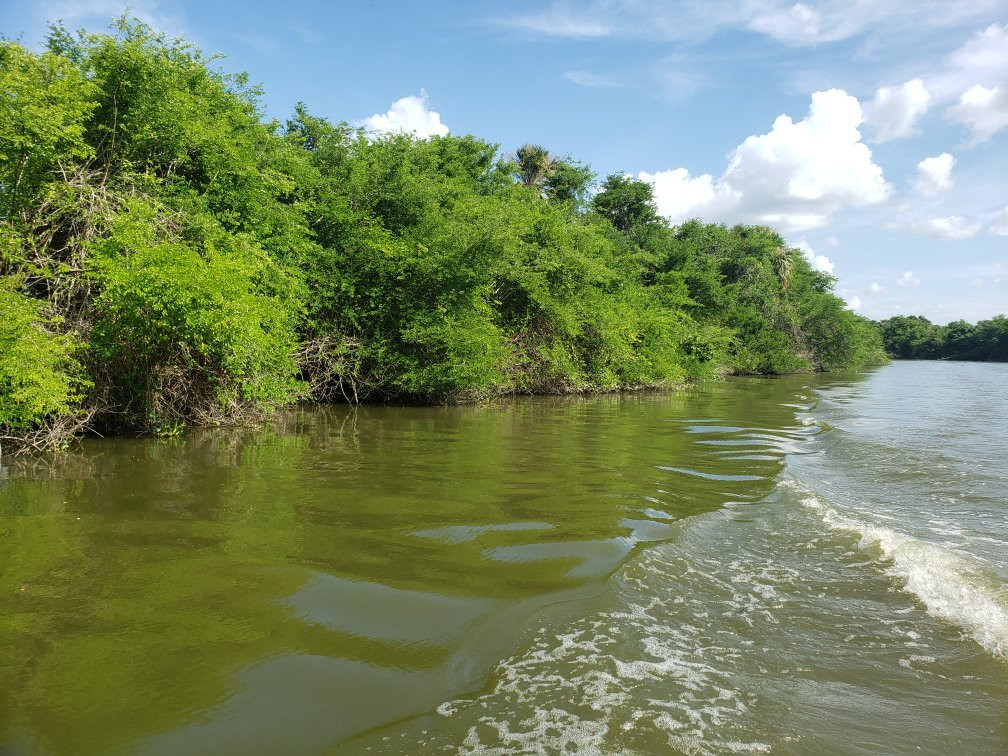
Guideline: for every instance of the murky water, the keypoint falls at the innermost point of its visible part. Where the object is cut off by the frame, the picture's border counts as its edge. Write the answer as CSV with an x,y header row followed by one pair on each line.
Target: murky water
x,y
801,565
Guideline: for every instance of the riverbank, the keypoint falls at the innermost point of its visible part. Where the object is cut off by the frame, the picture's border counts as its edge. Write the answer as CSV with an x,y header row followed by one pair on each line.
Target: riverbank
x,y
171,260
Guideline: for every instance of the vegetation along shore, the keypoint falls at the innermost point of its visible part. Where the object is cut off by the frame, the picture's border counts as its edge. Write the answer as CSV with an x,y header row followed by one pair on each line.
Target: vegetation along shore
x,y
168,257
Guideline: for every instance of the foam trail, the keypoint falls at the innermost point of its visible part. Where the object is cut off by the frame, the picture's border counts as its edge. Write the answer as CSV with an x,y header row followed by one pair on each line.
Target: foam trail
x,y
949,584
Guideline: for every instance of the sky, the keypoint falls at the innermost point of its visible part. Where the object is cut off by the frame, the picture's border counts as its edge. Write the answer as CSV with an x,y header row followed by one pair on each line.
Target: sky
x,y
872,133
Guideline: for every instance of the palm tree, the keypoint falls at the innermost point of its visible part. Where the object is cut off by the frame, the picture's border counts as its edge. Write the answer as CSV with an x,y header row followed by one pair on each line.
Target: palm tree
x,y
783,263
534,165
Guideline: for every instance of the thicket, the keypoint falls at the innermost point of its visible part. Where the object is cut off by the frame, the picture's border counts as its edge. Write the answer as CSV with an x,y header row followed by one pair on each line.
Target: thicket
x,y
913,337
168,257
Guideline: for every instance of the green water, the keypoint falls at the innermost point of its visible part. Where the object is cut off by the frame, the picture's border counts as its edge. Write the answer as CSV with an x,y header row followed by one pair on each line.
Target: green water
x,y
797,565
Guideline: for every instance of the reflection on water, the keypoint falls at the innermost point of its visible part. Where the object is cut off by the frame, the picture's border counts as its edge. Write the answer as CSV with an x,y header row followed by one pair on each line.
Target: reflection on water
x,y
397,578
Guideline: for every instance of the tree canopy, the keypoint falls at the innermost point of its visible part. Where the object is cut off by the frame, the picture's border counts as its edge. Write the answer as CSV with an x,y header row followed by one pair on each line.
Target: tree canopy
x,y
169,257
913,337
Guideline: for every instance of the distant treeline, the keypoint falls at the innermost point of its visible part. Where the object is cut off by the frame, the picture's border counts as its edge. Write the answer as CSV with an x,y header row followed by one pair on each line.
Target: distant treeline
x,y
168,257
912,337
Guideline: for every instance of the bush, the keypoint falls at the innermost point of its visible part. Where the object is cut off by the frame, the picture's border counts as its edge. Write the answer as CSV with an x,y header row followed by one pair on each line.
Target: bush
x,y
41,381
185,332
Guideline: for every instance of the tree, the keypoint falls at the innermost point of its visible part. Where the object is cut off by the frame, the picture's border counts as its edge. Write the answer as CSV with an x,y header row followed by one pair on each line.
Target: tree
x,y
45,104
167,258
533,166
568,181
908,336
627,203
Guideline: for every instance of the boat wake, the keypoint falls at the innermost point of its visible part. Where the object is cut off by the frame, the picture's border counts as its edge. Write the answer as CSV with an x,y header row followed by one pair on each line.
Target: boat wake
x,y
954,586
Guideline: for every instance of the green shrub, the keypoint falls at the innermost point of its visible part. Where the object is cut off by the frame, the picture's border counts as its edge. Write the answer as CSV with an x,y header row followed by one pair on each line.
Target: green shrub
x,y
40,377
184,333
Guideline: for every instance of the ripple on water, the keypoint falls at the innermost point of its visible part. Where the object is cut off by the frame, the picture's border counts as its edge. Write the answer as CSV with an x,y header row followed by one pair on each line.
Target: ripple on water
x,y
954,586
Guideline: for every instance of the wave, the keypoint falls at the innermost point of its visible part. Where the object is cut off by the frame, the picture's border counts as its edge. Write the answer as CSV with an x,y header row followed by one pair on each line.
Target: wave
x,y
952,585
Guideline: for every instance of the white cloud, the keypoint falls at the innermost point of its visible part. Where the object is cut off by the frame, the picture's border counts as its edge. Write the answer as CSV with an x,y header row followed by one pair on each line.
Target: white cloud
x,y
854,303
908,280
561,21
983,59
934,174
681,196
1000,225
794,177
589,79
790,23
818,262
797,24
408,115
894,111
91,13
952,227
973,80
984,110
877,288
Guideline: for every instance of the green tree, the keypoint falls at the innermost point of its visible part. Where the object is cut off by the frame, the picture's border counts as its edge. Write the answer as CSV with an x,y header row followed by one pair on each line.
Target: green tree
x,y
533,165
46,101
568,181
627,203
172,258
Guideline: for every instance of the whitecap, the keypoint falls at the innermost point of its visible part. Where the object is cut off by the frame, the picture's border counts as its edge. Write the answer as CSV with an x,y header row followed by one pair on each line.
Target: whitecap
x,y
952,585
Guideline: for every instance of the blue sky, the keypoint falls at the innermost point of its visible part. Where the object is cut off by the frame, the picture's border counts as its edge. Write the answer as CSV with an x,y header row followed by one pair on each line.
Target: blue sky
x,y
874,134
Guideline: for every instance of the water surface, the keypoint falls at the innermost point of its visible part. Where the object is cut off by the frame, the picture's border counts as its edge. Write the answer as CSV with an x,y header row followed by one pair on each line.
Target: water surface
x,y
796,565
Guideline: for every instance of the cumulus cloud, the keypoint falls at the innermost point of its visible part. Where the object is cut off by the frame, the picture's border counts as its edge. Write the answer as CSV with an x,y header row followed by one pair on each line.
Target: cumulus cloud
x,y
934,174
975,80
818,262
893,112
952,227
908,280
972,82
983,110
794,177
854,303
983,59
877,288
408,115
681,196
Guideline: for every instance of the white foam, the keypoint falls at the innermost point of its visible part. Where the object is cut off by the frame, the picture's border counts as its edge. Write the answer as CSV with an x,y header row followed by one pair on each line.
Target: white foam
x,y
621,674
952,585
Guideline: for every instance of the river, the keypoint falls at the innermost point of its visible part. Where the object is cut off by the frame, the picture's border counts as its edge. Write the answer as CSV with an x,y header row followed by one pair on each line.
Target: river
x,y
799,565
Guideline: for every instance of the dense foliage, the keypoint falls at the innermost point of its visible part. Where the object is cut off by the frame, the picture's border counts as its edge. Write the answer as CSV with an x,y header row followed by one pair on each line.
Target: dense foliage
x,y
912,337
169,257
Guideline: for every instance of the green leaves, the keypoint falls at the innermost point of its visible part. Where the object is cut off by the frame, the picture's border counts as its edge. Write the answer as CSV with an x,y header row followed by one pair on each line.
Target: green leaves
x,y
191,332
916,337
627,203
44,101
40,377
166,258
